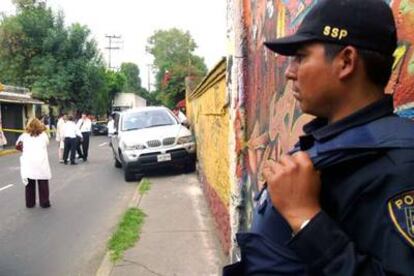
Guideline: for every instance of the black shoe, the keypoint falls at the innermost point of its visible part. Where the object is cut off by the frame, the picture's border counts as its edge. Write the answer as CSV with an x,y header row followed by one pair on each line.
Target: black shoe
x,y
73,163
85,159
47,205
65,162
30,206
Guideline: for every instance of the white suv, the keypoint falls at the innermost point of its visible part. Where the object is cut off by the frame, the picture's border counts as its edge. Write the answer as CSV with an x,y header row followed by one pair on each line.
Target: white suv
x,y
151,137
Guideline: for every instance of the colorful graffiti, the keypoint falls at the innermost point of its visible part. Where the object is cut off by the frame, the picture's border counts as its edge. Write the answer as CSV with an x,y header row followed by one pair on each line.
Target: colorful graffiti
x,y
273,118
403,78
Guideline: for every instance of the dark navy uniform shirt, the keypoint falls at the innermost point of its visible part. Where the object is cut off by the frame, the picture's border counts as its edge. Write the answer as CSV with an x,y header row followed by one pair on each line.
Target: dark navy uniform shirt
x,y
367,223
367,197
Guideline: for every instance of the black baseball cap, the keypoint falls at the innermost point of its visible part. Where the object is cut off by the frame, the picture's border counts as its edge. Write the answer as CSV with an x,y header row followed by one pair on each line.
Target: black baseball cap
x,y
366,24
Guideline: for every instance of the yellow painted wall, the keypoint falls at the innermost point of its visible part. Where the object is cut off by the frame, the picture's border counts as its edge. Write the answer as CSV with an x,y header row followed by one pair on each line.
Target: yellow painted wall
x,y
207,108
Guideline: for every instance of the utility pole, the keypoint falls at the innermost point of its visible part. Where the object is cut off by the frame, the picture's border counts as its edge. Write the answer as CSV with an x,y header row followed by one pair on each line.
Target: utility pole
x,y
149,77
111,47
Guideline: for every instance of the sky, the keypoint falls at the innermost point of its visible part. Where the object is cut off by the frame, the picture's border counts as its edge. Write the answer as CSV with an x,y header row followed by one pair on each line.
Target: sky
x,y
136,20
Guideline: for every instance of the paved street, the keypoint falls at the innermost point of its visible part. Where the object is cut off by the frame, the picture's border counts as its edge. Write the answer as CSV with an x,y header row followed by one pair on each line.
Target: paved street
x,y
70,237
87,200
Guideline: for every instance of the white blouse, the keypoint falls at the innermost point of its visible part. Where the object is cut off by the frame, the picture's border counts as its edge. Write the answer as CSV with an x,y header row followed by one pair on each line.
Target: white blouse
x,y
34,161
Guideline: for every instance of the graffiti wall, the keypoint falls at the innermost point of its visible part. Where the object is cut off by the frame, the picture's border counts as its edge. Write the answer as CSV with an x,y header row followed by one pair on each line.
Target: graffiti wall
x,y
402,83
273,119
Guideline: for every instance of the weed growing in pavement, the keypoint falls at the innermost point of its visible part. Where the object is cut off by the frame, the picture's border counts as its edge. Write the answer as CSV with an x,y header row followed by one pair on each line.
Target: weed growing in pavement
x,y
127,234
145,186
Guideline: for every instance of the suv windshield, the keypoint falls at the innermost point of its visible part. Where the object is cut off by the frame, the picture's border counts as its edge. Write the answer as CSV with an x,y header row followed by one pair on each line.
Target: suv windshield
x,y
145,119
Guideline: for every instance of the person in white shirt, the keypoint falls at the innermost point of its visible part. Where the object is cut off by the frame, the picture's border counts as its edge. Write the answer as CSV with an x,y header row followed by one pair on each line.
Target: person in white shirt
x,y
181,117
111,126
70,132
59,136
3,140
85,126
34,163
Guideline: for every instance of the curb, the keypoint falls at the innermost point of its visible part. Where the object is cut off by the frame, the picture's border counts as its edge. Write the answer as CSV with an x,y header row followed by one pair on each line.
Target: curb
x,y
8,152
106,266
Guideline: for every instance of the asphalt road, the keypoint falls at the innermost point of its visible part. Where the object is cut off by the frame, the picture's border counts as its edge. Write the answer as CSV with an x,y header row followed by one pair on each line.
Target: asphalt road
x,y
70,237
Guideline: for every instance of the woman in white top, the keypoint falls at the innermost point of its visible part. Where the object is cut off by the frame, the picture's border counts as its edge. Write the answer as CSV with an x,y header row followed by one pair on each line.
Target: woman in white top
x,y
34,163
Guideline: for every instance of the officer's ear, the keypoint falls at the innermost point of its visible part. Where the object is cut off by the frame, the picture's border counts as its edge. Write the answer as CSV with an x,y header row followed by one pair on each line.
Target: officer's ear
x,y
347,62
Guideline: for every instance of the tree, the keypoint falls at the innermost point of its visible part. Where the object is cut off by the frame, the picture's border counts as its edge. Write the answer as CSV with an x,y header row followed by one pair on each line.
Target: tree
x,y
61,65
115,82
21,43
174,60
133,81
24,4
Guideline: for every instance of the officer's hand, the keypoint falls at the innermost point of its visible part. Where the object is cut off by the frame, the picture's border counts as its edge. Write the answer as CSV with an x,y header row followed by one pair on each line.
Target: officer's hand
x,y
294,186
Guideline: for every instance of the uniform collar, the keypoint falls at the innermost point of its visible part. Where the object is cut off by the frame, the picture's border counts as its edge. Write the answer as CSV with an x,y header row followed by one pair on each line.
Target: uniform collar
x,y
320,130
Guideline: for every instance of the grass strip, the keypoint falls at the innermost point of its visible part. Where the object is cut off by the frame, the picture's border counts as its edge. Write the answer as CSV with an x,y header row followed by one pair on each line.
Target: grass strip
x,y
145,186
127,234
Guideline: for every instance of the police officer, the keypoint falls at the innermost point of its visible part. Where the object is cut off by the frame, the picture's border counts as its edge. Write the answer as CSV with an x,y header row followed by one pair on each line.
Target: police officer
x,y
342,202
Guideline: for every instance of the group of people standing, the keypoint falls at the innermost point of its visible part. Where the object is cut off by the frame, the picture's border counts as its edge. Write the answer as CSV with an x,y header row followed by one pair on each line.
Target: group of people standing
x,y
73,138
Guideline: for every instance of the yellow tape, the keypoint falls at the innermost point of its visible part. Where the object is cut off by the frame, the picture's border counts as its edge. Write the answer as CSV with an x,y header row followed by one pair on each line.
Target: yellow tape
x,y
21,130
12,130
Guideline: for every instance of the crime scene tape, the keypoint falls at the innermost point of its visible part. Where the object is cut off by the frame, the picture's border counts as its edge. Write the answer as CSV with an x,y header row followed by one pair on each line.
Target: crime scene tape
x,y
21,130
12,130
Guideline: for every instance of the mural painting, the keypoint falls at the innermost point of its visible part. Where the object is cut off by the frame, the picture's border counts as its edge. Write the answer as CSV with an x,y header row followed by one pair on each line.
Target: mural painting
x,y
273,118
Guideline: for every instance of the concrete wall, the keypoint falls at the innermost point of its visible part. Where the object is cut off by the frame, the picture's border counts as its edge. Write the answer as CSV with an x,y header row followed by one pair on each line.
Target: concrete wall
x,y
207,110
264,116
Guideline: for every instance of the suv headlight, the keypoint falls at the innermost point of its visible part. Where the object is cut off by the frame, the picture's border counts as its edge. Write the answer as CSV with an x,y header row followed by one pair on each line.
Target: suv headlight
x,y
185,139
133,147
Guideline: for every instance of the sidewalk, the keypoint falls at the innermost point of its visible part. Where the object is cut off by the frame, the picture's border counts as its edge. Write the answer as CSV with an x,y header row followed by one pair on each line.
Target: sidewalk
x,y
178,237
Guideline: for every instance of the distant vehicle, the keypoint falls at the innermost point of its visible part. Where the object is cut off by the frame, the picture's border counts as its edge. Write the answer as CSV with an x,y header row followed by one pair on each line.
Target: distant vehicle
x,y
99,128
123,101
147,138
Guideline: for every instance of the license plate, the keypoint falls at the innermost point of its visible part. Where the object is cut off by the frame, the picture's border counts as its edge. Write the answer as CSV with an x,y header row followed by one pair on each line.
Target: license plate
x,y
163,157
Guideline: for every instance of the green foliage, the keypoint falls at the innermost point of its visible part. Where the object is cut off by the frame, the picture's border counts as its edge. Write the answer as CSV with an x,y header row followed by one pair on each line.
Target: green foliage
x,y
21,40
133,81
173,52
61,65
24,4
150,97
127,233
115,81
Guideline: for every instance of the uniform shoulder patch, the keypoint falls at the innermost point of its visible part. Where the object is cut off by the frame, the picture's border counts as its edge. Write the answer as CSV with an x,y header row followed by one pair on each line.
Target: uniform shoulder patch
x,y
401,211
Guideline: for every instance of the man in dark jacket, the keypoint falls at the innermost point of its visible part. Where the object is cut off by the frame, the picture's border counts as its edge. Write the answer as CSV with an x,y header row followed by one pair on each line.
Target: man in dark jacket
x,y
342,202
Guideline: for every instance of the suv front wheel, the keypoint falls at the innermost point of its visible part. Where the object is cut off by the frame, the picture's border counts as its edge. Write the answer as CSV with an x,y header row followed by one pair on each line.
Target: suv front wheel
x,y
117,164
128,175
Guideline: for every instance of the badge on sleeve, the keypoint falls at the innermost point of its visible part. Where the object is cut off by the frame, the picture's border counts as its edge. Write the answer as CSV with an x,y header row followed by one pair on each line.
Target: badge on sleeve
x,y
401,211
